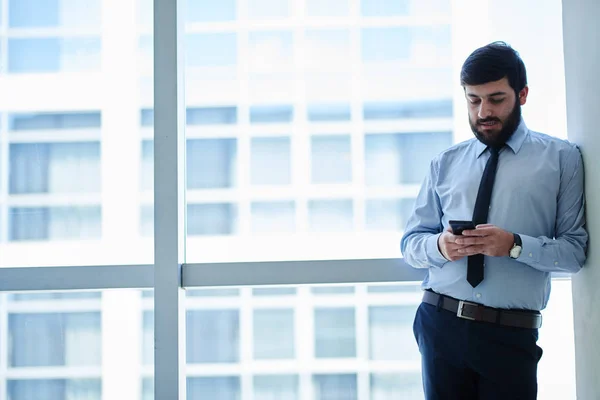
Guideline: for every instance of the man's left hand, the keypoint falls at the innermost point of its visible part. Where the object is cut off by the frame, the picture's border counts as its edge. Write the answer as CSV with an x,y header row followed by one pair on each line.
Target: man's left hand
x,y
486,239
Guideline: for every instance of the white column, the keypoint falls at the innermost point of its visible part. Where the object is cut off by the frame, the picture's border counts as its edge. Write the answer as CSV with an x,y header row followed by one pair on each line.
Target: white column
x,y
120,152
121,344
169,198
120,149
582,56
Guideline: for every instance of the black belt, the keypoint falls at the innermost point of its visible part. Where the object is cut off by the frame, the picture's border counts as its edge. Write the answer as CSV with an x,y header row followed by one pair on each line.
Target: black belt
x,y
478,312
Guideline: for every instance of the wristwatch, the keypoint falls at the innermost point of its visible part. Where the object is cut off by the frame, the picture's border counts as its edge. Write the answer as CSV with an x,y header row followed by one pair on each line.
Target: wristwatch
x,y
515,251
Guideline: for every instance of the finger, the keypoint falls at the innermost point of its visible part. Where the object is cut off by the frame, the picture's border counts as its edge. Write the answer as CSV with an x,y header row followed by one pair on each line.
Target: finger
x,y
476,232
470,241
483,226
471,250
449,238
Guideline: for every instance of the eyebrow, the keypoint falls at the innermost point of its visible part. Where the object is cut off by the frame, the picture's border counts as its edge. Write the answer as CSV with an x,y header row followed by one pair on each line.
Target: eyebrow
x,y
489,95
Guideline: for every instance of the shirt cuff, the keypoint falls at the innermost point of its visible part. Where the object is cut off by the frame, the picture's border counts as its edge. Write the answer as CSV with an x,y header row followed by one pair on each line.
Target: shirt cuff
x,y
531,250
433,251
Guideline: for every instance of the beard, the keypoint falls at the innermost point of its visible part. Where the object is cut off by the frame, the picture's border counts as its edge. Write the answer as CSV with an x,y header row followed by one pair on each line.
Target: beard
x,y
509,126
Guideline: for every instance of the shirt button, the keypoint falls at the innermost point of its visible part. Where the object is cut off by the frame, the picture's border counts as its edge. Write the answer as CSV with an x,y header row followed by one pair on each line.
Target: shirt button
x,y
555,262
530,254
478,295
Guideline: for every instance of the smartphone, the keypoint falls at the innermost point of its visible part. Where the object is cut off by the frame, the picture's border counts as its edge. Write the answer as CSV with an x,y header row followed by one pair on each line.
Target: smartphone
x,y
459,226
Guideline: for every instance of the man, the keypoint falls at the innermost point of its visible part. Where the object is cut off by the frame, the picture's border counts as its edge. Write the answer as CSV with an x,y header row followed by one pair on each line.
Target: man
x,y
477,326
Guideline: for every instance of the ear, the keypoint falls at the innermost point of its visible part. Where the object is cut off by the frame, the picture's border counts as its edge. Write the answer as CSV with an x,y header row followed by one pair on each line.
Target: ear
x,y
523,95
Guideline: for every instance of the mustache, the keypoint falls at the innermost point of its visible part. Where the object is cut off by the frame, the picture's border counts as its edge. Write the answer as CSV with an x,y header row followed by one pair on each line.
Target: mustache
x,y
483,121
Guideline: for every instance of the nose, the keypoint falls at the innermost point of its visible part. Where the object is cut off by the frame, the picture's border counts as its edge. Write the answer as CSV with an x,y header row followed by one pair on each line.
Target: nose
x,y
485,110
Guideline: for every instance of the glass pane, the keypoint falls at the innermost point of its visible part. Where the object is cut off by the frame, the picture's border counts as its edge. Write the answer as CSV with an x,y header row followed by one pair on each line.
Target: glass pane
x,y
53,389
276,387
385,44
388,215
273,217
335,387
326,290
43,167
329,56
310,141
265,114
288,345
56,350
260,9
385,386
384,8
270,162
210,11
331,159
336,108
218,388
271,75
330,215
414,109
70,345
211,219
211,163
387,324
54,14
405,157
75,134
335,333
54,223
211,116
45,121
274,334
213,336
327,8
210,50
328,112
54,55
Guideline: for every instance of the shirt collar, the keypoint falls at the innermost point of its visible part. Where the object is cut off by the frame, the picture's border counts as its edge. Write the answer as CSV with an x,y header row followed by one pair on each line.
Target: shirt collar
x,y
515,142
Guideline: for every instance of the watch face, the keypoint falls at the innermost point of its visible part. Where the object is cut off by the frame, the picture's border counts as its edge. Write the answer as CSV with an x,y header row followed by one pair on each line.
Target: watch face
x,y
515,252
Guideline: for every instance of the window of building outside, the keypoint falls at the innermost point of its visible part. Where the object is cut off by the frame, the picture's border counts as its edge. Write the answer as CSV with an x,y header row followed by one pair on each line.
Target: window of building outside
x,y
309,128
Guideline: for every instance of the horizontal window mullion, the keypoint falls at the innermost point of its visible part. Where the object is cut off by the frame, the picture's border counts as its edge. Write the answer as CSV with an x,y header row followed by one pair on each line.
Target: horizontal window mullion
x,y
299,273
77,278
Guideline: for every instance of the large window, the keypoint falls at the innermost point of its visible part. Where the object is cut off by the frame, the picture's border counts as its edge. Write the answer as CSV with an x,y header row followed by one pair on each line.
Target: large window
x,y
326,134
308,126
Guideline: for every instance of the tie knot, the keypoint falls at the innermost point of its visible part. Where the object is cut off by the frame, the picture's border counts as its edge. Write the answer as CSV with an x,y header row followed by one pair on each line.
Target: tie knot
x,y
494,150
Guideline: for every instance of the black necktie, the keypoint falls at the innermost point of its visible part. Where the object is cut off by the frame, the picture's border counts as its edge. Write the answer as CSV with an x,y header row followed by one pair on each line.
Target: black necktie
x,y
480,214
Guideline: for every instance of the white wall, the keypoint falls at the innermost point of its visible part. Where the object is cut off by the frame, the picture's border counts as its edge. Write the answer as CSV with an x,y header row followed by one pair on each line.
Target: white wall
x,y
582,56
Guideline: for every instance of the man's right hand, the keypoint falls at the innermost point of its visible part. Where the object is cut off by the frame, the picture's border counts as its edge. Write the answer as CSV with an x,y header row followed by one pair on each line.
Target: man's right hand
x,y
448,246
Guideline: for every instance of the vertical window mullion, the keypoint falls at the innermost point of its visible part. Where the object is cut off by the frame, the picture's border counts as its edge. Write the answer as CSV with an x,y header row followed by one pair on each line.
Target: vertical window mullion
x,y
169,200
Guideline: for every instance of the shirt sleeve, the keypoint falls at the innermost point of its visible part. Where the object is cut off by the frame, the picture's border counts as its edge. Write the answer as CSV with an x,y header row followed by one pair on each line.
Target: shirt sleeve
x,y
566,252
419,244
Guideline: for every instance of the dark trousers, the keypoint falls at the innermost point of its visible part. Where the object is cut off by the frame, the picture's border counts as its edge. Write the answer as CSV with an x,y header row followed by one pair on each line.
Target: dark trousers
x,y
467,360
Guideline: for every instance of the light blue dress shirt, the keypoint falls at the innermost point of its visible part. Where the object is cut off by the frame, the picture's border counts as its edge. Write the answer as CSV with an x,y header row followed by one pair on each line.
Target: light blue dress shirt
x,y
538,193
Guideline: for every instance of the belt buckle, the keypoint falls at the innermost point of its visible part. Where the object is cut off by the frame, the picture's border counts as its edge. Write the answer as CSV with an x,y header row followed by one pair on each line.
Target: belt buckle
x,y
461,305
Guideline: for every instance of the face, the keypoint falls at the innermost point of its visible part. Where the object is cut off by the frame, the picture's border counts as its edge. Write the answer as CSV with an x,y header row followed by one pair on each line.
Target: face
x,y
494,111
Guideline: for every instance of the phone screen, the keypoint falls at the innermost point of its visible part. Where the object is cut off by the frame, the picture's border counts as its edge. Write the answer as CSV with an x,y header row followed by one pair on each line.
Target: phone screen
x,y
459,226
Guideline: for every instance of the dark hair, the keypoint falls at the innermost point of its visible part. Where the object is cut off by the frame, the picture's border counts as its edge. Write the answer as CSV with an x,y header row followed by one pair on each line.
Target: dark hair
x,y
493,62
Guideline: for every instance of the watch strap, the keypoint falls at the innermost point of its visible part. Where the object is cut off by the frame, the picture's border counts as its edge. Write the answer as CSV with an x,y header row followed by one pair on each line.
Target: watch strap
x,y
517,239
